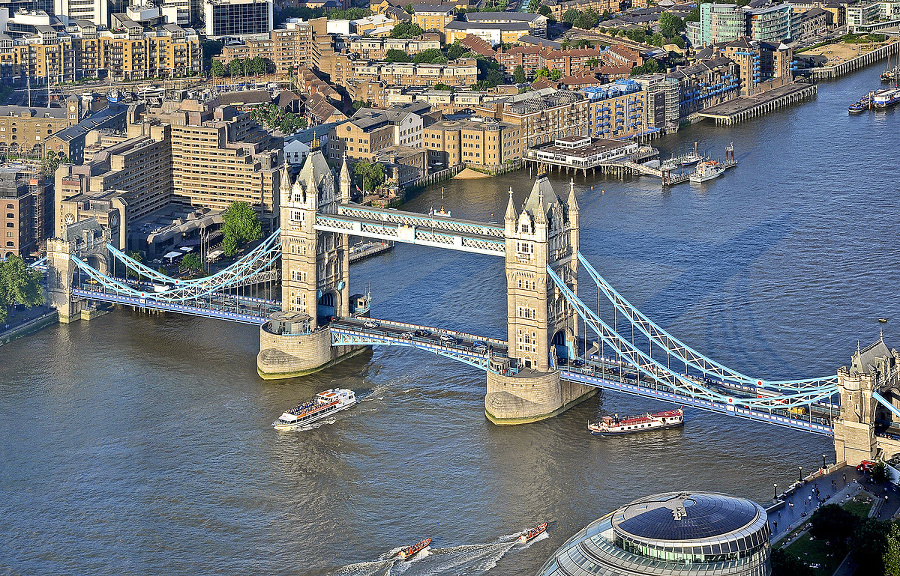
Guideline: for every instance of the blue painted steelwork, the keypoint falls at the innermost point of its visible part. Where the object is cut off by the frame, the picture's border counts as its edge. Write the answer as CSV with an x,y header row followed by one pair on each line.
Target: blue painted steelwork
x,y
817,426
153,304
647,366
883,401
344,336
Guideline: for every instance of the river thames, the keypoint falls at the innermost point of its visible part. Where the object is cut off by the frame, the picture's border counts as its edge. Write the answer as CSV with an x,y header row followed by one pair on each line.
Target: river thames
x,y
138,443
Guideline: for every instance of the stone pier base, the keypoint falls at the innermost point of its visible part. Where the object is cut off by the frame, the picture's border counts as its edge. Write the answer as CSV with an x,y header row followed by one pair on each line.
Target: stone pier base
x,y
291,355
530,396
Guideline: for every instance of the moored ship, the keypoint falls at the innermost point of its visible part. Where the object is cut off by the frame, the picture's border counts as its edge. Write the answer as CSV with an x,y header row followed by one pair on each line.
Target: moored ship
x,y
886,99
322,405
613,425
706,170
410,551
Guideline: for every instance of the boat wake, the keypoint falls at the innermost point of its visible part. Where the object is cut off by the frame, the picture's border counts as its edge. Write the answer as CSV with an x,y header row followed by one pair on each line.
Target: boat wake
x,y
465,560
538,538
317,424
377,393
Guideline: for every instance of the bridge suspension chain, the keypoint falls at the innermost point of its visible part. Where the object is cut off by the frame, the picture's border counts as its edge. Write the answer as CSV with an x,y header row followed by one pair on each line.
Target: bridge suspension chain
x,y
684,353
255,261
656,371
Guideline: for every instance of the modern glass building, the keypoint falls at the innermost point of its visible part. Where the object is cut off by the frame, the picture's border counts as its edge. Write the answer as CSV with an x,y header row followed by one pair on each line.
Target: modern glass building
x,y
671,534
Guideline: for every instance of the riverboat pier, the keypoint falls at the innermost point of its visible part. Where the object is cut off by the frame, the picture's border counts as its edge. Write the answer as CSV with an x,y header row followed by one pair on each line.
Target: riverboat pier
x,y
747,107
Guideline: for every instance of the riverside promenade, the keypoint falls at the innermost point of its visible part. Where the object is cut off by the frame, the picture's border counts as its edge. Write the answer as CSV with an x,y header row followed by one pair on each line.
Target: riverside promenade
x,y
795,506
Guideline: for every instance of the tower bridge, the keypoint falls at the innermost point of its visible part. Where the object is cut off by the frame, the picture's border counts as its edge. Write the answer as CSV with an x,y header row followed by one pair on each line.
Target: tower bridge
x,y
542,367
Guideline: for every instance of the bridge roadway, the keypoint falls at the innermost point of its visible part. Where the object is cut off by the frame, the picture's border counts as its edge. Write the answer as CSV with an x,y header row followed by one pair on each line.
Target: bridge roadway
x,y
413,228
450,343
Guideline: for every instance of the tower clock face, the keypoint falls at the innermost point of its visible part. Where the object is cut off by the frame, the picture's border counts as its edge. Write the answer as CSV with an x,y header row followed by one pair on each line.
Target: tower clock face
x,y
70,218
114,219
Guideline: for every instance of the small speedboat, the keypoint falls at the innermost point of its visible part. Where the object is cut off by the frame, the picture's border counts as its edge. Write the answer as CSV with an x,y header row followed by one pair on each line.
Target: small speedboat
x,y
410,551
529,535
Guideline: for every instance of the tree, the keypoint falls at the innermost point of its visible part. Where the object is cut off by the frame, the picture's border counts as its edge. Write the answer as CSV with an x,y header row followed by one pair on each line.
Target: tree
x,y
137,257
191,262
409,9
256,65
555,74
670,24
533,5
357,104
18,285
406,30
891,556
570,16
546,11
588,19
241,224
394,55
592,62
879,473
519,74
430,56
657,39
869,544
51,162
831,522
236,67
541,73
444,87
370,174
218,69
785,564
455,50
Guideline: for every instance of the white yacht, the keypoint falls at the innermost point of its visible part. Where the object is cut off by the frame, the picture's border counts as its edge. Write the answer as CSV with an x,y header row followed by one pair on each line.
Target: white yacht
x,y
324,404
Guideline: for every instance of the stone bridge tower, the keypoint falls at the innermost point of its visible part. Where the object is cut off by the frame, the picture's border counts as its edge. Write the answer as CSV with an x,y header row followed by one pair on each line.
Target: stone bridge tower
x,y
87,240
315,269
872,370
541,324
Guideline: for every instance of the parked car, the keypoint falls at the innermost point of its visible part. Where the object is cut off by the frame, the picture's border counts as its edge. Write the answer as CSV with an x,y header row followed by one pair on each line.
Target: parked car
x,y
865,466
422,333
371,324
447,338
407,335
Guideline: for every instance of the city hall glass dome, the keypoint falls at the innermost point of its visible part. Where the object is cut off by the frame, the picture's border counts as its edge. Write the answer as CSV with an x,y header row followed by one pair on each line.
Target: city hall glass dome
x,y
675,533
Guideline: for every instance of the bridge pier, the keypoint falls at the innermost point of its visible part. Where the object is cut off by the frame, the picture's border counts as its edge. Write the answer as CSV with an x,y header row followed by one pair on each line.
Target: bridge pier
x,y
287,349
530,396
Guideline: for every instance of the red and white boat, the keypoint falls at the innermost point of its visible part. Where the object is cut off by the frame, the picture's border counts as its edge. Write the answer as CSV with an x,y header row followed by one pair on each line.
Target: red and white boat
x,y
324,404
613,425
529,535
410,551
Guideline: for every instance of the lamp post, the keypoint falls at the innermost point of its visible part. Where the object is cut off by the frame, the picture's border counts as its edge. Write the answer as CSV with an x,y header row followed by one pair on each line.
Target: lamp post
x,y
823,461
800,469
775,486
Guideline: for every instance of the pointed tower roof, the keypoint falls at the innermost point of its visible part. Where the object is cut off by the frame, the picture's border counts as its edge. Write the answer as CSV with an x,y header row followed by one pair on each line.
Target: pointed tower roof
x,y
345,170
541,191
510,209
314,169
571,201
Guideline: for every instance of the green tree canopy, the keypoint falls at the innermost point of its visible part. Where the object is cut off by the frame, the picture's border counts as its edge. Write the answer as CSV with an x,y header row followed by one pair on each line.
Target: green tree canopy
x,y
406,30
570,16
430,56
51,162
555,74
136,256
588,19
191,262
394,55
218,69
670,24
240,224
18,285
533,5
546,11
831,522
236,67
370,174
786,564
869,544
456,50
519,74
444,87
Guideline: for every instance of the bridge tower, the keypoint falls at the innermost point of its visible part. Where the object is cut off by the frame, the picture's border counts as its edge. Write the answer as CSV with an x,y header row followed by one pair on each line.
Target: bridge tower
x,y
87,240
541,325
872,371
315,268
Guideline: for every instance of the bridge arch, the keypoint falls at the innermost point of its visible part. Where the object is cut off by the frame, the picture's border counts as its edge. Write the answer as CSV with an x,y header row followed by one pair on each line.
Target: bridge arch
x,y
326,304
98,261
561,344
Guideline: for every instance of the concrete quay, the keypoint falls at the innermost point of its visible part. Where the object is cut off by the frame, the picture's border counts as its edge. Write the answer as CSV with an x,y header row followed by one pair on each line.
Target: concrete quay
x,y
361,251
832,72
747,107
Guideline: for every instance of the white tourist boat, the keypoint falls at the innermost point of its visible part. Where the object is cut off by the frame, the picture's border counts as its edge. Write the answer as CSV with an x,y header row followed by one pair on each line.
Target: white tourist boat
x,y
706,170
324,404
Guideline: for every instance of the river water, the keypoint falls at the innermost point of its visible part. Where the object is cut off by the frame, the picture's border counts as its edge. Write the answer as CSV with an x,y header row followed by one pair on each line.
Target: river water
x,y
137,443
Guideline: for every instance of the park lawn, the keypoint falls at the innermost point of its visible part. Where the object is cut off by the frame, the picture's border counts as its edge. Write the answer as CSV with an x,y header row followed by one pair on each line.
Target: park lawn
x,y
811,552
828,556
857,505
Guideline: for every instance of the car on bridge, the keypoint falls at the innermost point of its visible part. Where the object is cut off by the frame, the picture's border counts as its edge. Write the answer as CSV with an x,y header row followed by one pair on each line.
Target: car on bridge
x,y
479,347
421,333
371,324
448,339
407,335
